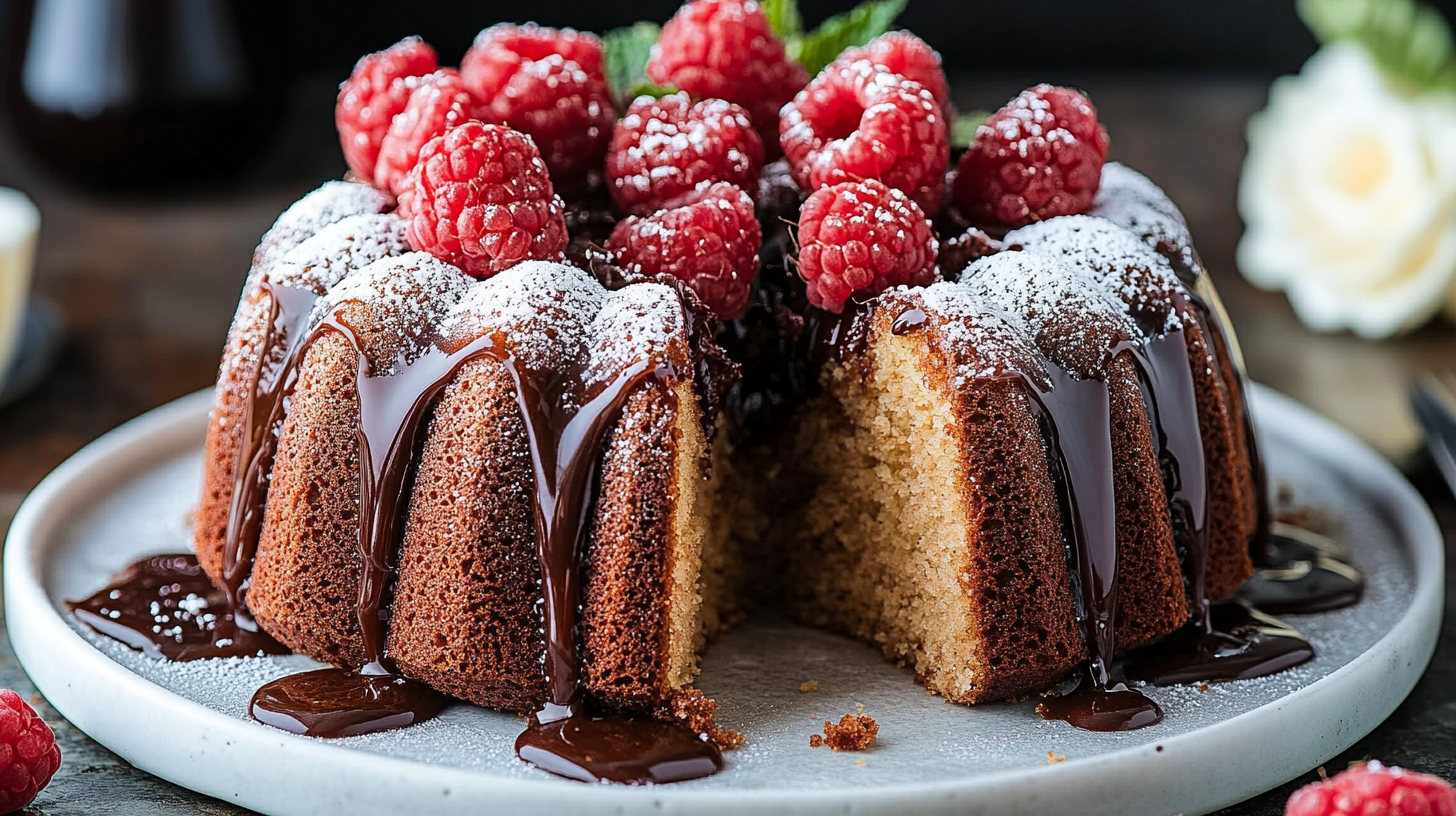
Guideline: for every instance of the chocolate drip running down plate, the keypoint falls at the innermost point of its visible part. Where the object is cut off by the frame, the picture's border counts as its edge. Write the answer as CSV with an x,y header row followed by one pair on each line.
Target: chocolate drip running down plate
x,y
128,495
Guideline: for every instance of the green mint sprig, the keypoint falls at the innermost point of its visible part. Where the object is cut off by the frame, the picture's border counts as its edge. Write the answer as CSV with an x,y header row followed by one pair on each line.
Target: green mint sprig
x,y
816,49
1410,41
963,129
624,56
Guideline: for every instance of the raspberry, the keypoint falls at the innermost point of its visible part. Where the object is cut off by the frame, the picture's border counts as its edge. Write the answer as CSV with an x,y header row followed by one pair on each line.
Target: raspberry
x,y
903,53
858,121
438,103
480,198
1374,788
666,147
378,89
861,238
1040,156
547,83
708,238
724,49
28,753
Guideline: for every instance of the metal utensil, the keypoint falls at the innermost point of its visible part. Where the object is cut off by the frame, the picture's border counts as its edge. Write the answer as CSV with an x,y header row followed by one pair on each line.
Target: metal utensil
x,y
1433,398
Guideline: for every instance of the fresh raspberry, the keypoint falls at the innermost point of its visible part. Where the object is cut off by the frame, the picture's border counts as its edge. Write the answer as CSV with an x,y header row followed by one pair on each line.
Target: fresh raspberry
x,y
1040,156
378,89
28,753
666,147
547,83
1374,788
724,49
858,121
861,238
438,103
480,198
903,53
708,238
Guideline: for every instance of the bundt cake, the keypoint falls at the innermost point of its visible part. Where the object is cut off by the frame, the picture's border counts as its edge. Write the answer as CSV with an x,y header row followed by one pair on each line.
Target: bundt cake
x,y
998,444
464,614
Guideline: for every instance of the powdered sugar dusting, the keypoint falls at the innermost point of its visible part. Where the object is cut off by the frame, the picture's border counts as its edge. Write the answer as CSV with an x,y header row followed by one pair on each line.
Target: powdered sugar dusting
x,y
332,202
1130,200
643,321
541,309
1073,322
1119,262
343,247
395,306
983,343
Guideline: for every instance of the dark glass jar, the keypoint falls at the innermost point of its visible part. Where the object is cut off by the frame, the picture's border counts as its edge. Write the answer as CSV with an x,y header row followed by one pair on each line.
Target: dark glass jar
x,y
143,96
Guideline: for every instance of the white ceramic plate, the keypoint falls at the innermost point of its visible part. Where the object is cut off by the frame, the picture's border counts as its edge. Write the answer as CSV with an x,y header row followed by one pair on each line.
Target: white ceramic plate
x,y
128,494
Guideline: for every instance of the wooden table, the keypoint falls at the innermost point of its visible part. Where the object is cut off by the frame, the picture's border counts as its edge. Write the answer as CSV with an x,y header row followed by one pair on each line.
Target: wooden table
x,y
148,289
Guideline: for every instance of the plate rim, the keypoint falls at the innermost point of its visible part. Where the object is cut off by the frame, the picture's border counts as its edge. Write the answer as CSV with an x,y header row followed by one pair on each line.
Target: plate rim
x,y
42,639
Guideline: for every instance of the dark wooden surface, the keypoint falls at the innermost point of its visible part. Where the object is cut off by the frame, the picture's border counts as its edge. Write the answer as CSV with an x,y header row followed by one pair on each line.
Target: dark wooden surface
x,y
147,290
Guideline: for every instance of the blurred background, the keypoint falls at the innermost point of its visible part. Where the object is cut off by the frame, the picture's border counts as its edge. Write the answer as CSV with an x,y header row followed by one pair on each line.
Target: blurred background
x,y
200,120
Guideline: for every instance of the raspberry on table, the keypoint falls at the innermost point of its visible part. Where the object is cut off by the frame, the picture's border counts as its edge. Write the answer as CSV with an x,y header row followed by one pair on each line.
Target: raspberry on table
x,y
379,88
549,84
1374,788
28,753
438,103
858,121
861,238
1039,157
666,147
708,238
480,198
903,53
725,49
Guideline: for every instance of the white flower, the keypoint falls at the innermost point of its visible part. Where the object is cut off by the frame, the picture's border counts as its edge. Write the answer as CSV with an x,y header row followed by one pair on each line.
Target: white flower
x,y
1348,195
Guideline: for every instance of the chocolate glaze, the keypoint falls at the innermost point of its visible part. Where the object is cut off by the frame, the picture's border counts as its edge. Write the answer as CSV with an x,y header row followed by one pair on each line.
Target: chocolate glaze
x,y
1238,643
907,321
332,703
566,431
284,333
613,748
1303,573
166,607
1076,421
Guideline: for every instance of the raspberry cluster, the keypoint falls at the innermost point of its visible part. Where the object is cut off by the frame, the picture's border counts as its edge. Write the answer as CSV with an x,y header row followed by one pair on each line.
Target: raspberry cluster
x,y
28,753
859,121
1040,156
708,238
1374,788
725,49
476,157
666,147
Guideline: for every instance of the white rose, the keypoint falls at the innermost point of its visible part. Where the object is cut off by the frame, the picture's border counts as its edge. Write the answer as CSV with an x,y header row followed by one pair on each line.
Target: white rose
x,y
1348,195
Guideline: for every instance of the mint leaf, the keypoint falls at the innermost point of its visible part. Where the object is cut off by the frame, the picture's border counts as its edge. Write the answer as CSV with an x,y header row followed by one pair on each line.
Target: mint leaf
x,y
624,57
783,17
854,28
1409,40
963,129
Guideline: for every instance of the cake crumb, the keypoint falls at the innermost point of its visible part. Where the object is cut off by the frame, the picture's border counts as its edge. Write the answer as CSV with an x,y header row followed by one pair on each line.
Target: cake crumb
x,y
859,762
809,685
691,708
1053,759
1203,688
854,733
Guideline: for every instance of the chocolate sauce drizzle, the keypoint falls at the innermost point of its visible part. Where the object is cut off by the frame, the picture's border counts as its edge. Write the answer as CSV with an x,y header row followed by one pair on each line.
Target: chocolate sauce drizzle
x,y
166,607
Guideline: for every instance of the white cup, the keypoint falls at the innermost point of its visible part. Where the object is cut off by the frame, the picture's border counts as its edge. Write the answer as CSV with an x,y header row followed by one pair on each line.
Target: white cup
x,y
19,225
